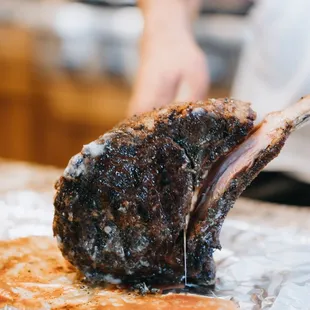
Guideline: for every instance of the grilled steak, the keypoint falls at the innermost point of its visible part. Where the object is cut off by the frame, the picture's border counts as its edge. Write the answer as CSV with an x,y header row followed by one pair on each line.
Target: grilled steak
x,y
146,201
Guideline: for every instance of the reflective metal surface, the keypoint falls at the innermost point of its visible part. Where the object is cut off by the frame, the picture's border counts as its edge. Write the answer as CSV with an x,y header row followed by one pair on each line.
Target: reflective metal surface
x,y
264,263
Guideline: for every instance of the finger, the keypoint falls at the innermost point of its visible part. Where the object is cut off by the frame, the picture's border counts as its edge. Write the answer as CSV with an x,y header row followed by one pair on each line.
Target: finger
x,y
195,82
154,88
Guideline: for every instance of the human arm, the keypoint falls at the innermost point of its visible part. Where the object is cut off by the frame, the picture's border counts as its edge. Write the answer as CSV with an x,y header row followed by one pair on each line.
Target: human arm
x,y
171,60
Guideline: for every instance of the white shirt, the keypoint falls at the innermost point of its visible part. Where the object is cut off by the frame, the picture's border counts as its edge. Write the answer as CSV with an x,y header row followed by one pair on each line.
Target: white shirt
x,y
274,72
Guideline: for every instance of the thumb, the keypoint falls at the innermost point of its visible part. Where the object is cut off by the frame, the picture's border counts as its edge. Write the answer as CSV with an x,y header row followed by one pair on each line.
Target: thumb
x,y
193,88
153,89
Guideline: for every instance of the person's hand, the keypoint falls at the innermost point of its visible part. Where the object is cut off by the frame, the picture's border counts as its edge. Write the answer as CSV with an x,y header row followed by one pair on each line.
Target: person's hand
x,y
172,68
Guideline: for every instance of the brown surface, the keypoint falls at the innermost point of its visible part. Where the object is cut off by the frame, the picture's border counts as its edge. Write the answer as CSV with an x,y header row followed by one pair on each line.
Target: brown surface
x,y
44,108
33,275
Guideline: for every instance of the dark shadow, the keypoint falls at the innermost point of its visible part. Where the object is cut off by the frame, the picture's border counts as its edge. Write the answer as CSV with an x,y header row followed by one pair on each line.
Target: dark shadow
x,y
279,188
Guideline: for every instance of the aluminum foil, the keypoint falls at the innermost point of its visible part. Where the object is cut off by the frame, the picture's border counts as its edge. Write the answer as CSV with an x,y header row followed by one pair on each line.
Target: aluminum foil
x,y
264,263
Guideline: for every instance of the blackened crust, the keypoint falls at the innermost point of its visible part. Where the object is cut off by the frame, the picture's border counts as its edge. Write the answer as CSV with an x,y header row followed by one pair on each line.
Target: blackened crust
x,y
121,205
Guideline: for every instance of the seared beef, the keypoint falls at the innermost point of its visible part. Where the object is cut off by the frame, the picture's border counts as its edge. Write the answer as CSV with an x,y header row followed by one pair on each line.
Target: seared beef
x,y
127,202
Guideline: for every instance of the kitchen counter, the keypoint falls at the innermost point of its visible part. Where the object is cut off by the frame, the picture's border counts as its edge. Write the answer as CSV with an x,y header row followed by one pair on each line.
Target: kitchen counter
x,y
266,248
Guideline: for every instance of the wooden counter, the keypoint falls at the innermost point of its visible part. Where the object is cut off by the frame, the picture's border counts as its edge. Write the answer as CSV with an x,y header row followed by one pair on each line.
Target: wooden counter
x,y
47,114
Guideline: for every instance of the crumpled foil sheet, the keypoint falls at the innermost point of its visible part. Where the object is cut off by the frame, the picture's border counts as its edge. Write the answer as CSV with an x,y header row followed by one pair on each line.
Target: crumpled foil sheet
x,y
264,263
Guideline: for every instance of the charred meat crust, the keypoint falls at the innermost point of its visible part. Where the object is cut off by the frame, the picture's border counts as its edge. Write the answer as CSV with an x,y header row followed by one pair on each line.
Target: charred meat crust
x,y
132,216
121,205
205,130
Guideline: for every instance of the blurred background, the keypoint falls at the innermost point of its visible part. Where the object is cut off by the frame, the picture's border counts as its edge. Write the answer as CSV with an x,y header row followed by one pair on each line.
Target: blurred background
x,y
67,69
